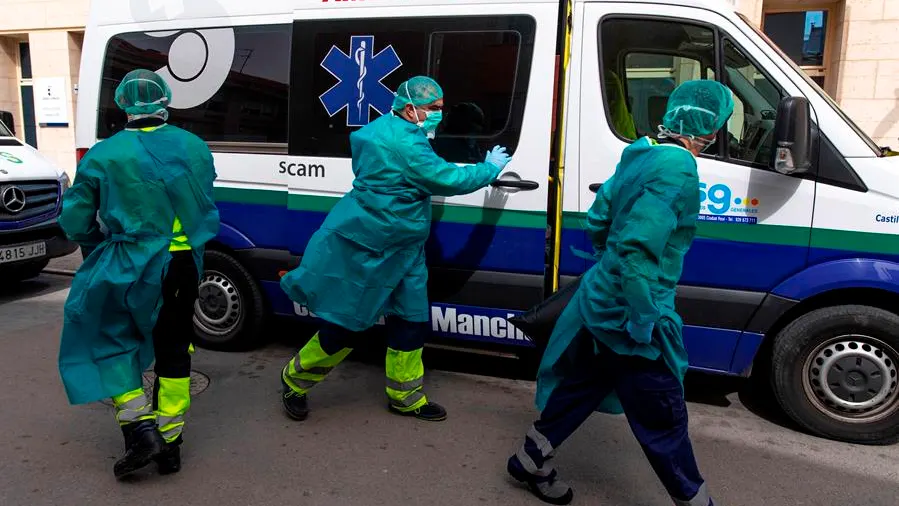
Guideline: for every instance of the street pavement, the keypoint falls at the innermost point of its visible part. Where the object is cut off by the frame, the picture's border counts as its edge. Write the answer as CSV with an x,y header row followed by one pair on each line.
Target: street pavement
x,y
241,450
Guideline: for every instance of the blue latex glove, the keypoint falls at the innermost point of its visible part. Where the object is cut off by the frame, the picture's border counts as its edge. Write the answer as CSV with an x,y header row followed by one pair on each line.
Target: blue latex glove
x,y
498,157
640,333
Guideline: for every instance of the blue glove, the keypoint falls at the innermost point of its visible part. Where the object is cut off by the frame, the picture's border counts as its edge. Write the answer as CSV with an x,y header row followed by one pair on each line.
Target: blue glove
x,y
640,333
498,157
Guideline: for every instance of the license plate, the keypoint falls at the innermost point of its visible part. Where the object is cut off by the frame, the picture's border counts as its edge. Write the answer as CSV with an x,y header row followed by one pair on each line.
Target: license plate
x,y
23,252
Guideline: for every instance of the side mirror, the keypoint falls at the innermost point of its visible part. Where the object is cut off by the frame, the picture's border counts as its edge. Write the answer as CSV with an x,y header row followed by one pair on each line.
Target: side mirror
x,y
792,137
8,121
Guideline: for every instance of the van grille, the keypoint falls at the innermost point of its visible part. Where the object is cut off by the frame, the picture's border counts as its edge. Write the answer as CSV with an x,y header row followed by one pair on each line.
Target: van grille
x,y
41,198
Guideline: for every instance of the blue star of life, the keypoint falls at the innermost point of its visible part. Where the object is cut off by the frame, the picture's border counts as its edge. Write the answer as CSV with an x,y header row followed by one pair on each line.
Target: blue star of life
x,y
359,74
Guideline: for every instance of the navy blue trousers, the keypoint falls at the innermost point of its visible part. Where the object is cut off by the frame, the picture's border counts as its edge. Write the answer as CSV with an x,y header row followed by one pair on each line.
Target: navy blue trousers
x,y
402,335
653,402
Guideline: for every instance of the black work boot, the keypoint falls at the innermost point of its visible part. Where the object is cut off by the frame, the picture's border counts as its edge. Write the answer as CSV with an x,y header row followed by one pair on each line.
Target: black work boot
x,y
169,461
295,405
143,442
548,489
430,412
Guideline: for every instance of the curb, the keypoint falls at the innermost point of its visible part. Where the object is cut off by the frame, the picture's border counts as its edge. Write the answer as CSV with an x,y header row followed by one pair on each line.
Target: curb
x,y
59,272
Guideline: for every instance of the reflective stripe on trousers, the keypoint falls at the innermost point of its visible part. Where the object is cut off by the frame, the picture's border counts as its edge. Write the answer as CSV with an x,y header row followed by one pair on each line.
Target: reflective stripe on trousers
x,y
535,454
133,407
405,379
310,366
172,402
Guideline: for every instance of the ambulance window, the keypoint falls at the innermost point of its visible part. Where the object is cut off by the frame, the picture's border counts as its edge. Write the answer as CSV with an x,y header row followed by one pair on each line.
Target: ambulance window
x,y
643,61
756,98
345,72
231,109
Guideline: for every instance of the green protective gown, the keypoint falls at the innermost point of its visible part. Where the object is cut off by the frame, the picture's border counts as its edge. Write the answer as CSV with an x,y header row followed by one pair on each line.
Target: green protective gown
x,y
368,260
641,225
138,182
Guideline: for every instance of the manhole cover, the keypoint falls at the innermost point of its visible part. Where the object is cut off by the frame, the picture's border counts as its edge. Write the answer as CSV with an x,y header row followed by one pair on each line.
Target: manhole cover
x,y
199,382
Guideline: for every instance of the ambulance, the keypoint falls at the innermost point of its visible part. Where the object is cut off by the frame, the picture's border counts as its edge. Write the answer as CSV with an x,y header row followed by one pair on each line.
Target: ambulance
x,y
31,189
794,274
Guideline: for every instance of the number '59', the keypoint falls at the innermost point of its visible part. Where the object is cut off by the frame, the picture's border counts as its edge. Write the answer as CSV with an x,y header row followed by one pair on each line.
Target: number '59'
x,y
719,197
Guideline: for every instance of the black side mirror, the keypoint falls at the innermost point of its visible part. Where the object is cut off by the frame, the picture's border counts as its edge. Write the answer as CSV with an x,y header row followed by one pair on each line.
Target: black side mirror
x,y
793,137
8,121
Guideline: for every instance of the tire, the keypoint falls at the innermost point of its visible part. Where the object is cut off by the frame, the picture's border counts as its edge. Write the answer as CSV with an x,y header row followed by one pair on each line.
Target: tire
x,y
834,372
230,312
26,271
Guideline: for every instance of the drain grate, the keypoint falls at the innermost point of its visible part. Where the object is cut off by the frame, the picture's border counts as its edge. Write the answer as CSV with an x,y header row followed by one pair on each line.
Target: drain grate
x,y
199,382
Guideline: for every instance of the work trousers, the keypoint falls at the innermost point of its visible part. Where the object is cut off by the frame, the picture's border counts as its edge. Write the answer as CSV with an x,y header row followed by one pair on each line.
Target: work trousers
x,y
172,346
332,344
653,401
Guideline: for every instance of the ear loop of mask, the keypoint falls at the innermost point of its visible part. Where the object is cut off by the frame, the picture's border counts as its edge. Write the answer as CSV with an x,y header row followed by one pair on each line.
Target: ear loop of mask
x,y
163,113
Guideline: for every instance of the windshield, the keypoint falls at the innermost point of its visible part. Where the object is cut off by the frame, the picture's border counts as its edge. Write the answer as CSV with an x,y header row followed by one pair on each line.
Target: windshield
x,y
815,87
4,131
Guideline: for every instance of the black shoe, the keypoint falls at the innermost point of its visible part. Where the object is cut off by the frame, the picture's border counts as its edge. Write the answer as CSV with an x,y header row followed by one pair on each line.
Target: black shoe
x,y
549,490
143,442
295,405
430,412
169,461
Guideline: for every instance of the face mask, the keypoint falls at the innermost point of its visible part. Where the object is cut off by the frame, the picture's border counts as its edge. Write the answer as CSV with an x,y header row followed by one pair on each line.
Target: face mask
x,y
432,120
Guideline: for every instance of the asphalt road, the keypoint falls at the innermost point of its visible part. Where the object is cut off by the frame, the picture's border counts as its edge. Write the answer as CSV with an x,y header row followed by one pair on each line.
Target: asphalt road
x,y
241,450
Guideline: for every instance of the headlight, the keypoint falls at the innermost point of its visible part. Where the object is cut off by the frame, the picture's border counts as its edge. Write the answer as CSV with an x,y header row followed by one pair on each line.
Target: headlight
x,y
64,183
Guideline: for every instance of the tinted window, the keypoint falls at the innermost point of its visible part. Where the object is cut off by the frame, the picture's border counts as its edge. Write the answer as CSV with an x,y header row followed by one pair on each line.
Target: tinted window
x,y
345,73
802,35
25,59
249,106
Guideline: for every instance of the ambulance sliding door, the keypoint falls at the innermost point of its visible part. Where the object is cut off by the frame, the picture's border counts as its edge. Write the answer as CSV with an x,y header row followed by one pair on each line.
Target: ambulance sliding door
x,y
495,64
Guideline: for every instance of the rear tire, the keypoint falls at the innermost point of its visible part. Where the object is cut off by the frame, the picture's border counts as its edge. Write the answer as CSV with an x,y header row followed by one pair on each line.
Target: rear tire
x,y
834,371
230,312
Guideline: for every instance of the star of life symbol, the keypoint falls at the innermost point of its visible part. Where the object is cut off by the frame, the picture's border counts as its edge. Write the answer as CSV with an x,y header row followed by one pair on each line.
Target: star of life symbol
x,y
359,88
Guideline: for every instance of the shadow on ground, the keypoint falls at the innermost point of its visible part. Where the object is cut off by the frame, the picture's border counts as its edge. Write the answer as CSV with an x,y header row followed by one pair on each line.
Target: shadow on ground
x,y
713,390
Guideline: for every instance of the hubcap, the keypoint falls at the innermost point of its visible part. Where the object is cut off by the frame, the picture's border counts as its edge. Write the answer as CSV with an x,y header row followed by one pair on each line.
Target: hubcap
x,y
853,378
218,307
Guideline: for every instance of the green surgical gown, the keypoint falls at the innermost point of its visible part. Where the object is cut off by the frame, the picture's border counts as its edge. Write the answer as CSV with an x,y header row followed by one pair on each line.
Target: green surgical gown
x,y
138,182
641,226
367,260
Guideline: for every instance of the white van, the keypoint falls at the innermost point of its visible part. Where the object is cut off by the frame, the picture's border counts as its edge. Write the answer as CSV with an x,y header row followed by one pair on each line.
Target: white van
x,y
31,191
794,273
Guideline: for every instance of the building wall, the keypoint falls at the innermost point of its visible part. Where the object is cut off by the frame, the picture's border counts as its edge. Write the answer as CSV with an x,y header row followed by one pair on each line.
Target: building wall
x,y
9,81
862,58
54,31
28,15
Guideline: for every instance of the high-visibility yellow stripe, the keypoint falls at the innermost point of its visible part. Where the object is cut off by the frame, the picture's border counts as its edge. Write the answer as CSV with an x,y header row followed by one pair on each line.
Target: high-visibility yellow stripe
x,y
179,241
172,402
405,378
310,366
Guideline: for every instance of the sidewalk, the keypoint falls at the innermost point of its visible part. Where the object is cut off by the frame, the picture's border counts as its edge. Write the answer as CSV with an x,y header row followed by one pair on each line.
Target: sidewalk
x,y
66,264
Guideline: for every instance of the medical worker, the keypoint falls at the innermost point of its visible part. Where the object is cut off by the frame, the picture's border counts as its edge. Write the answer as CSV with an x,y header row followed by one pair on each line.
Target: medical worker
x,y
368,259
133,297
617,346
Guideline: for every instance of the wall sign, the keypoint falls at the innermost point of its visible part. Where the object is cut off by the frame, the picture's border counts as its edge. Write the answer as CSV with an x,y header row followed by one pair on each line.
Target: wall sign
x,y
51,102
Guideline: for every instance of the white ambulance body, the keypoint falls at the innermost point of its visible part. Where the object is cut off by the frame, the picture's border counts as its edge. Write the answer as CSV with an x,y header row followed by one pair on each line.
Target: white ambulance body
x,y
795,269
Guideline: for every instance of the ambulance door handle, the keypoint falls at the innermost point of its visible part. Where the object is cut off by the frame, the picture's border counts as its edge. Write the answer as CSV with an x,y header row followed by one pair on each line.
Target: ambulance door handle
x,y
515,184
512,182
595,187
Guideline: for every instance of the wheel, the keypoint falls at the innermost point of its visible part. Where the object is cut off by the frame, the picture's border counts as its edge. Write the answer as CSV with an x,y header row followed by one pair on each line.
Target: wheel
x,y
230,310
26,271
834,371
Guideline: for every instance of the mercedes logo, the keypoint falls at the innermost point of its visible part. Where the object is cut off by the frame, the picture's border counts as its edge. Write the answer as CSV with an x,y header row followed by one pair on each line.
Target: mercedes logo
x,y
12,198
